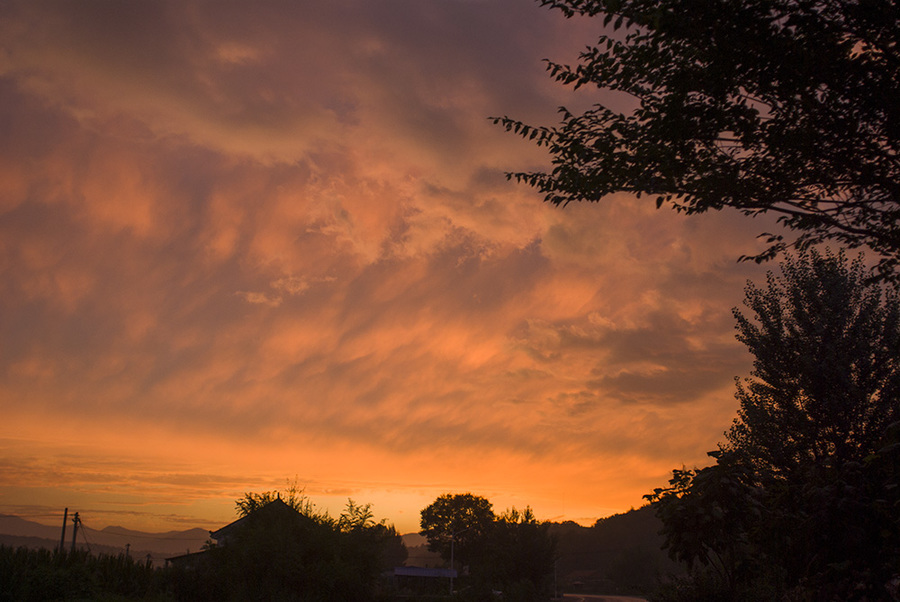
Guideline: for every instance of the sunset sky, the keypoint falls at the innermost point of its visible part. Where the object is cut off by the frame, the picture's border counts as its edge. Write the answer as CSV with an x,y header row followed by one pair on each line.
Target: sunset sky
x,y
243,242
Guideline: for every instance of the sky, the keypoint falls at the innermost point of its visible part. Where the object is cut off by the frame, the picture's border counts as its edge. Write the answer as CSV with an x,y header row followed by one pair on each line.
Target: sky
x,y
246,244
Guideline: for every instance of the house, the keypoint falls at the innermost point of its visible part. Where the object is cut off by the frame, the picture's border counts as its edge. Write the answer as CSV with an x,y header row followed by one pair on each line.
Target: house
x,y
272,512
420,581
186,561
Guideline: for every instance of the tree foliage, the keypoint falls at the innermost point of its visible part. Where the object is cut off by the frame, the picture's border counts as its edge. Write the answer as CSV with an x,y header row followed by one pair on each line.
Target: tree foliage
x,y
285,549
459,521
803,498
826,381
293,495
767,106
512,552
371,546
708,516
523,554
39,575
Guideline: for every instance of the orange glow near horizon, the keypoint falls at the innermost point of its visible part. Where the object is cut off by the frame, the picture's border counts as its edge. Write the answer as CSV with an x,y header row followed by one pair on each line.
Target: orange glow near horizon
x,y
243,245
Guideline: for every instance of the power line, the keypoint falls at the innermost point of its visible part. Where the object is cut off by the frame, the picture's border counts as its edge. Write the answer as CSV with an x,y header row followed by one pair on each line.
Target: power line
x,y
84,534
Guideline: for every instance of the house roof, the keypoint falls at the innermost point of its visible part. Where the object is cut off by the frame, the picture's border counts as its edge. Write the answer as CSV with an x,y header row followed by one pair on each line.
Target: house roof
x,y
275,508
185,559
417,571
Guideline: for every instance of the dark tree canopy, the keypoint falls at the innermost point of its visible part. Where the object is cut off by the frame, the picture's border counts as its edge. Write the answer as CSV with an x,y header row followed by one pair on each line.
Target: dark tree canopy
x,y
513,552
522,555
293,496
802,500
463,519
282,548
787,107
826,372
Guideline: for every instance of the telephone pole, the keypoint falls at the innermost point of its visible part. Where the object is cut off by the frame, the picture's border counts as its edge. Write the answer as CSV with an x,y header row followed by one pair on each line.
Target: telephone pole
x,y
75,522
62,539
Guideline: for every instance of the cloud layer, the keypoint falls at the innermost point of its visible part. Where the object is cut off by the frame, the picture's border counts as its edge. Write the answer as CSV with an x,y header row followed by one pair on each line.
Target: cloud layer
x,y
242,243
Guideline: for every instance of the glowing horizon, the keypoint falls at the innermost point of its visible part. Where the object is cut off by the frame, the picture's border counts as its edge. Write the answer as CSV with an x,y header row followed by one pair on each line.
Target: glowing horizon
x,y
242,245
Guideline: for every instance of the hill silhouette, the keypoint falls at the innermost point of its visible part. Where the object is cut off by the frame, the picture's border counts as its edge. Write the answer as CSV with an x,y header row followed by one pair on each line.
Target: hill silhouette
x,y
620,554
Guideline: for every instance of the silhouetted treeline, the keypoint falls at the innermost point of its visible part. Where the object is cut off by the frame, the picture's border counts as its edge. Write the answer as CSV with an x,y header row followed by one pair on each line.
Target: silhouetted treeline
x,y
620,554
512,552
310,561
304,561
275,551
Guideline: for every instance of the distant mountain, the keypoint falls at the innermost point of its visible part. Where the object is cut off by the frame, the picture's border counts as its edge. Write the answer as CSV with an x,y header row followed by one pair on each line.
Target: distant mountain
x,y
411,540
418,553
169,542
16,531
13,525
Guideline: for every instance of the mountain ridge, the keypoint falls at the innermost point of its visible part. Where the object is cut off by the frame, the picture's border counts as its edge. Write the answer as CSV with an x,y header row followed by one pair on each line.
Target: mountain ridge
x,y
117,539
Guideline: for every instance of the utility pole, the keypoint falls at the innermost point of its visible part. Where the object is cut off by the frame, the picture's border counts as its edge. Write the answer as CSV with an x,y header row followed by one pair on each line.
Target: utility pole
x,y
62,539
555,582
75,521
453,535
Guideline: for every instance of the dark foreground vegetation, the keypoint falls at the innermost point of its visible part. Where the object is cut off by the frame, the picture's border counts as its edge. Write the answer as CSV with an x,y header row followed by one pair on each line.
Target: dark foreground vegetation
x,y
522,558
38,575
278,549
512,552
249,573
803,501
526,559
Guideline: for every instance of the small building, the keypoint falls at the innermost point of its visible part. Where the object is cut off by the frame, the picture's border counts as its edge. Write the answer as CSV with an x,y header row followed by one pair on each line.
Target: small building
x,y
276,510
416,580
186,561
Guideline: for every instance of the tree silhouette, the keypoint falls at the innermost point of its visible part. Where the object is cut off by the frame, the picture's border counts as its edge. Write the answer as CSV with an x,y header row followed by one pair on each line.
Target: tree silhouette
x,y
522,555
293,495
767,106
459,523
512,552
826,381
803,497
